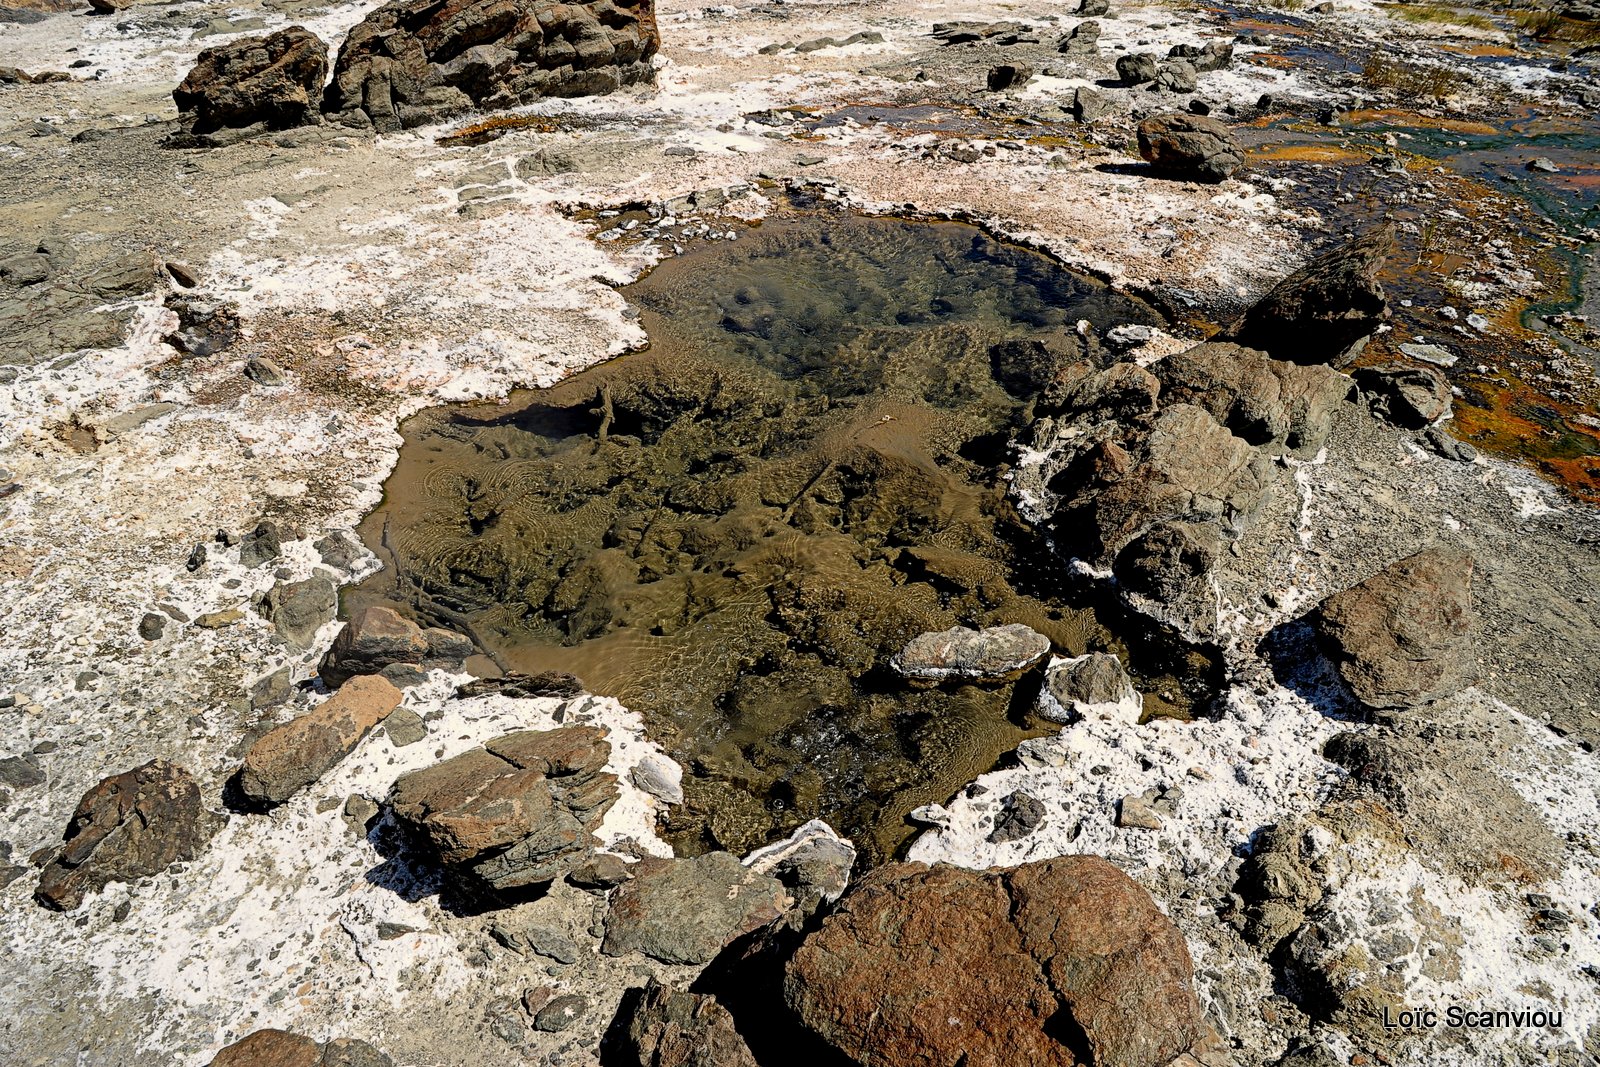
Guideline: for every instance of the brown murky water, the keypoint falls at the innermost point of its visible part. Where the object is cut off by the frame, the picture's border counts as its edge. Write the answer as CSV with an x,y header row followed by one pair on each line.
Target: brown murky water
x,y
733,531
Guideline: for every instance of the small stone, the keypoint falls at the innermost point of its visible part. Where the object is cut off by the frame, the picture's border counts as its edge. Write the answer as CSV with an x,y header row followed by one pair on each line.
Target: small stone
x,y
152,625
217,620
995,654
1008,76
359,811
659,776
404,727
261,545
196,560
1137,812
263,371
1137,68
602,871
1020,814
292,756
560,1013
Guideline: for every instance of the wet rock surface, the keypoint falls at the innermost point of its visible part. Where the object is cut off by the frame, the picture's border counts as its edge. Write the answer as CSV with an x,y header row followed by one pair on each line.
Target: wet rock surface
x,y
130,826
996,654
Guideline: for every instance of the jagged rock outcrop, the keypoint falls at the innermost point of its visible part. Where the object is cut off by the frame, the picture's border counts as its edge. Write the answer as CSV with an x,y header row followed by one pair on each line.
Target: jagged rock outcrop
x,y
515,814
292,756
1324,312
1404,636
994,654
1188,146
412,62
1067,961
274,80
129,826
1406,396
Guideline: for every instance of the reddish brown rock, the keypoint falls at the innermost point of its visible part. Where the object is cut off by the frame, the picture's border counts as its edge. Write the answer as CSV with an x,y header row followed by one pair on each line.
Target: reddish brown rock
x,y
1404,636
374,639
1065,962
130,826
278,1048
1189,146
302,750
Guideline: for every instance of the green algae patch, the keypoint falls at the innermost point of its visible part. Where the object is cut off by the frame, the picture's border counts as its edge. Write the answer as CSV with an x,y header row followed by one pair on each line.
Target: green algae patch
x,y
734,530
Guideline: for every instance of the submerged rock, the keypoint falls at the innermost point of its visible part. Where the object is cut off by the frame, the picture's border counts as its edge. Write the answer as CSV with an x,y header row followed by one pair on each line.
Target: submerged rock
x,y
996,654
130,826
1403,636
662,1027
1060,962
686,910
515,814
274,80
1188,146
411,62
302,750
1326,311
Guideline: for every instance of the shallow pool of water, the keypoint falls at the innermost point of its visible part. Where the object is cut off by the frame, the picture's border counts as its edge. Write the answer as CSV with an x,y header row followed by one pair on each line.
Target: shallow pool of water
x,y
734,530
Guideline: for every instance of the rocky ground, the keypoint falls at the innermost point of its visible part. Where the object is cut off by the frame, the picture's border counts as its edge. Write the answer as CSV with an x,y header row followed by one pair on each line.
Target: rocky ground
x,y
205,355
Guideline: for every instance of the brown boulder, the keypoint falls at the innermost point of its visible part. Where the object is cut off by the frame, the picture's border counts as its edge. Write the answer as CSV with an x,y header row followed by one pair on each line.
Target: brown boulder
x,y
276,80
412,62
1404,636
1189,146
1325,311
1065,962
517,813
375,638
130,826
292,756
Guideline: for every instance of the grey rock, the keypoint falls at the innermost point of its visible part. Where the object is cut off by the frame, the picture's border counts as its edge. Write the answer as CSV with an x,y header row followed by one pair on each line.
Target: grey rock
x,y
1137,811
1008,76
560,1013
405,727
994,654
686,910
263,371
1089,105
261,545
1438,355
1136,68
1264,401
1409,397
1437,440
600,872
21,772
298,609
1093,8
1020,814
1176,76
1084,40
339,549
152,625
1083,684
660,777
814,863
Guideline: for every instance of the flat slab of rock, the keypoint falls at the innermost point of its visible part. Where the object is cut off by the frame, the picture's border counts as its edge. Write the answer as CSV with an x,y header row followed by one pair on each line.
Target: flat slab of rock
x,y
1404,636
130,826
517,813
666,1028
1325,311
995,654
1188,146
942,965
291,757
686,910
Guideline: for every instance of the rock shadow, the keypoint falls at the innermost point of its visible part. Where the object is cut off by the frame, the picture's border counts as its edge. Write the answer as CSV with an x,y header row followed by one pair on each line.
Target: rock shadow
x,y
411,873
1298,664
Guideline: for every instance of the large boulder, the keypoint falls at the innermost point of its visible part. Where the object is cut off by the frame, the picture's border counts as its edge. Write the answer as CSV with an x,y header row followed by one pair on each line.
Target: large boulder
x,y
1324,312
1404,636
661,1027
1189,146
130,826
412,62
1265,401
515,814
276,80
1064,962
995,654
292,756
686,910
